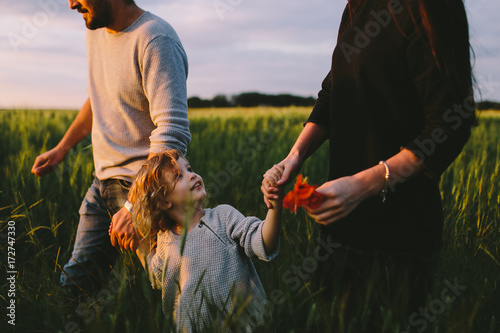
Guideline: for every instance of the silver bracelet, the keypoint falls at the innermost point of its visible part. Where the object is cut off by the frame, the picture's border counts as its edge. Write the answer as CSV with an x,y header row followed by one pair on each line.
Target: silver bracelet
x,y
128,206
385,190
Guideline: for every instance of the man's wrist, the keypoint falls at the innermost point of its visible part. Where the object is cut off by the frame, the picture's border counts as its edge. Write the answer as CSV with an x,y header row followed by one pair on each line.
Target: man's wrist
x,y
128,206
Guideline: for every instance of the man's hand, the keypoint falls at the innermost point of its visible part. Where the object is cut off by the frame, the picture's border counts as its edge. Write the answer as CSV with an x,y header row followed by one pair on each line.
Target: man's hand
x,y
47,162
122,232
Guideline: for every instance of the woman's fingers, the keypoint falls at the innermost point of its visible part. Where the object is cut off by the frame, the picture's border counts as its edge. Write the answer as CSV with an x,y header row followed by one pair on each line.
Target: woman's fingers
x,y
337,203
329,216
289,167
285,176
271,178
273,175
278,168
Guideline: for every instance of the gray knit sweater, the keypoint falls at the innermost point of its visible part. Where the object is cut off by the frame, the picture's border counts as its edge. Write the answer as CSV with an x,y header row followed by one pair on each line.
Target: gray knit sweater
x,y
137,89
216,259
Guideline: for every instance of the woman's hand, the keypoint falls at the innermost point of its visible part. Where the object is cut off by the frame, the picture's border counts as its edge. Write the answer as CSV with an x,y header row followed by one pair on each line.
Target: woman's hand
x,y
311,137
287,168
342,196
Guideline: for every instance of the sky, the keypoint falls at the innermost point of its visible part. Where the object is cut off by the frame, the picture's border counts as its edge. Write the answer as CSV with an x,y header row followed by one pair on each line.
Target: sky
x,y
233,46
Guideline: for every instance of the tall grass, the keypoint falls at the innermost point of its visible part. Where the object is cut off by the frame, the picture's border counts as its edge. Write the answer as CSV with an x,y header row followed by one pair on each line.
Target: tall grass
x,y
231,150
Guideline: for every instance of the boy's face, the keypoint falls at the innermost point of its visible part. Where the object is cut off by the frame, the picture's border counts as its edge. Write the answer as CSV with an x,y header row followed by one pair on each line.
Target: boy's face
x,y
189,188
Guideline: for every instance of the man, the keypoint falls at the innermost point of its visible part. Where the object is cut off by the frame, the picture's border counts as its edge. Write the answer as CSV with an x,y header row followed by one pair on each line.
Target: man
x,y
137,106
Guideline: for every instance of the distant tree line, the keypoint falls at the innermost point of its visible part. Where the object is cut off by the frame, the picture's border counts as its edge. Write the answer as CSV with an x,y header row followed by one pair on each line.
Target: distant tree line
x,y
251,99
488,105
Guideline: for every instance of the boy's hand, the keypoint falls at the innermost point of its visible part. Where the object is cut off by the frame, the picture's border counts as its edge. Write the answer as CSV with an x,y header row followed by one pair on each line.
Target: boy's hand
x,y
270,182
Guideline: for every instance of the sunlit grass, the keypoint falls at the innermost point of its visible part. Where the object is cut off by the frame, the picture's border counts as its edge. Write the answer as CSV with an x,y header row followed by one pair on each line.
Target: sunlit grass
x,y
231,149
245,112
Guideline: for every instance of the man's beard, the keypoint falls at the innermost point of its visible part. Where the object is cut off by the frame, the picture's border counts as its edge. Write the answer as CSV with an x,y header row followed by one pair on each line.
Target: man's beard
x,y
99,15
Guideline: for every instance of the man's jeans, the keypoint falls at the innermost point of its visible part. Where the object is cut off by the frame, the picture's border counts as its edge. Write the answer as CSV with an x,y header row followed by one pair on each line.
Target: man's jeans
x,y
93,255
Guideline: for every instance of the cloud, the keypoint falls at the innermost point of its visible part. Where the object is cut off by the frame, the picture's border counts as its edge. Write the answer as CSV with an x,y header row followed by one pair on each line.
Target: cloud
x,y
254,45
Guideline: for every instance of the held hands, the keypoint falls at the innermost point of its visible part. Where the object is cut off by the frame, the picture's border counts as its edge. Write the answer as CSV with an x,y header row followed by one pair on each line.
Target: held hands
x,y
122,232
282,174
342,195
271,179
47,162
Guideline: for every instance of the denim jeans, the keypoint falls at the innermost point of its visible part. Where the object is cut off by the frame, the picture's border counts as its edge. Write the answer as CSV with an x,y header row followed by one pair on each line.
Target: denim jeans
x,y
93,255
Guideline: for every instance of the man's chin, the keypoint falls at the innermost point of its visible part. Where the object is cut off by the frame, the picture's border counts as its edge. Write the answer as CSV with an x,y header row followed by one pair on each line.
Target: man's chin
x,y
94,25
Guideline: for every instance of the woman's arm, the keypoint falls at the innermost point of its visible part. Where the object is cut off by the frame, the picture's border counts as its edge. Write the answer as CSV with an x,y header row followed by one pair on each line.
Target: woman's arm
x,y
343,195
447,107
311,137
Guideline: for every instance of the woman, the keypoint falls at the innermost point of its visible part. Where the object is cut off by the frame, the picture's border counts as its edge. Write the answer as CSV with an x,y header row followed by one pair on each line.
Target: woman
x,y
397,107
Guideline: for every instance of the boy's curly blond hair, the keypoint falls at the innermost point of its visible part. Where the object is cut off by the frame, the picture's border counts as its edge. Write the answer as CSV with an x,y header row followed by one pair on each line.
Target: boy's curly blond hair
x,y
149,193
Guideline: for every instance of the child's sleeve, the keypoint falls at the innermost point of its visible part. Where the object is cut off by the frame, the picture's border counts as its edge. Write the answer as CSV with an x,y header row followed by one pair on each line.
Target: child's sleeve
x,y
247,232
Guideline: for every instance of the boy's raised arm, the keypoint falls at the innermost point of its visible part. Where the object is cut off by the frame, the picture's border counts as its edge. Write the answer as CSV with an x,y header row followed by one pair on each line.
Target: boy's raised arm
x,y
272,224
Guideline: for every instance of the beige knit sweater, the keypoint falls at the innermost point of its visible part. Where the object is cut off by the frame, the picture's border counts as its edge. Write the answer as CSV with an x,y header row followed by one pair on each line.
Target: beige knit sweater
x,y
137,89
214,274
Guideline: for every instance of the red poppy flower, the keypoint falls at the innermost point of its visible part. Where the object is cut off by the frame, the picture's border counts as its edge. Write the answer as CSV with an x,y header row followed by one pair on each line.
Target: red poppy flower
x,y
302,195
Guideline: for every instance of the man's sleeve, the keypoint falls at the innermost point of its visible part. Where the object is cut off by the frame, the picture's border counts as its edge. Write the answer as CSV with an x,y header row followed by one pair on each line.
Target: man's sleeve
x,y
164,73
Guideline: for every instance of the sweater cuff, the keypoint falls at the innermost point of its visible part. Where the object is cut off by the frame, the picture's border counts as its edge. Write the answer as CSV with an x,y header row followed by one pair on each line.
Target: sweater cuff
x,y
258,246
172,132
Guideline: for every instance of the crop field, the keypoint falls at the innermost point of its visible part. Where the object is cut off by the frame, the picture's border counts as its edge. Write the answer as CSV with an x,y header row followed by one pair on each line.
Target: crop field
x,y
230,149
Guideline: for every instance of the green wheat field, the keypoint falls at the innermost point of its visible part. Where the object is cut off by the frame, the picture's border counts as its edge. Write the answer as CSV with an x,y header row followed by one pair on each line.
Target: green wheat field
x,y
230,149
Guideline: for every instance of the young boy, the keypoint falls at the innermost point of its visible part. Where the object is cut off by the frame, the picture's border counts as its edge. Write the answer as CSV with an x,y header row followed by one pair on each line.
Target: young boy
x,y
206,275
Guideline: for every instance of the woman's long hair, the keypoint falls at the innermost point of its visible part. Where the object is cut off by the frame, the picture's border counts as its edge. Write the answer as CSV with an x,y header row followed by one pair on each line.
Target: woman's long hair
x,y
149,191
448,38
